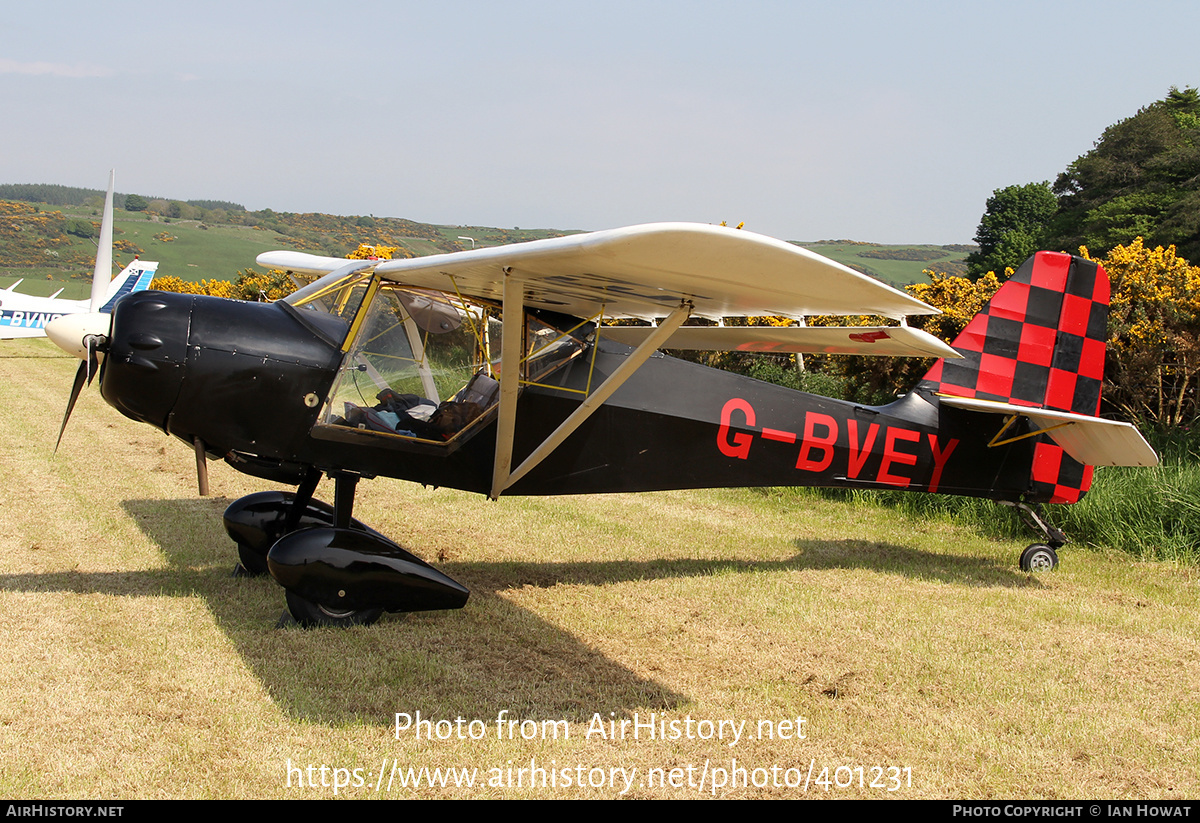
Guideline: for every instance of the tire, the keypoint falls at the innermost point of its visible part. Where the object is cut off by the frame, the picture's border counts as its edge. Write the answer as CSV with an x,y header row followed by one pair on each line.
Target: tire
x,y
311,615
1039,558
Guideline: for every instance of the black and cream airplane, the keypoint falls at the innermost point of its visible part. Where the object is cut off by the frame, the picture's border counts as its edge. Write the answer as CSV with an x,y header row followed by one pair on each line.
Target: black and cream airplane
x,y
498,371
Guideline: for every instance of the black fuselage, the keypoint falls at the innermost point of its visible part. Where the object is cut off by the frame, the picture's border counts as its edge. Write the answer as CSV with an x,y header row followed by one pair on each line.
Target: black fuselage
x,y
248,380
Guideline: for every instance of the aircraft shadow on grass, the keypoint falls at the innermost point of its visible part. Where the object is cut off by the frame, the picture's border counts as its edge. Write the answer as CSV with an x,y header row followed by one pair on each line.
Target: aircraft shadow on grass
x,y
429,661
849,553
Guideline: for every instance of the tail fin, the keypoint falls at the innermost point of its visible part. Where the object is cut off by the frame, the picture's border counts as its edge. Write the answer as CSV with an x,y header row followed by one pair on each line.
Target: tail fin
x,y
1039,342
134,277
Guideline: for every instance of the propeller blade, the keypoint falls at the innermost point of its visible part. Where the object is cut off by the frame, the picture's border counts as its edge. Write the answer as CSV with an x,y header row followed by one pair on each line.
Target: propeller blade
x,y
92,360
102,274
84,374
81,376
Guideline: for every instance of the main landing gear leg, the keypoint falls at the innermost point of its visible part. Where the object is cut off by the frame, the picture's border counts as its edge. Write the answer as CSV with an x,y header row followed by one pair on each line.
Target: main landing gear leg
x,y
304,496
336,570
256,521
308,612
343,499
1039,557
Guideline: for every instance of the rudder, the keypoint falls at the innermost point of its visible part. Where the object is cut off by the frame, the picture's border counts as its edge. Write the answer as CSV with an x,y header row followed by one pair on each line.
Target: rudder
x,y
135,277
1038,342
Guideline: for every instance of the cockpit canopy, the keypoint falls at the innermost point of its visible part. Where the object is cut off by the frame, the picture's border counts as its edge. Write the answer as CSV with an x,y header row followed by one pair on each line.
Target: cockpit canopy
x,y
420,365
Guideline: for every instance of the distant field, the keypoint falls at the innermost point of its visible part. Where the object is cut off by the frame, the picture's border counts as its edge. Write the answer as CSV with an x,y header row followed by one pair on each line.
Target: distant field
x,y
485,236
897,272
215,251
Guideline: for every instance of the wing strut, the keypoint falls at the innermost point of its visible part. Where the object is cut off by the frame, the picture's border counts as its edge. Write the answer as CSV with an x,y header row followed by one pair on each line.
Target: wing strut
x,y
585,409
510,379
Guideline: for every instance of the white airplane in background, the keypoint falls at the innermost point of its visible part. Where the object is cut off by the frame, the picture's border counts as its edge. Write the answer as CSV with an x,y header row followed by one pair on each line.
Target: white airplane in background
x,y
24,315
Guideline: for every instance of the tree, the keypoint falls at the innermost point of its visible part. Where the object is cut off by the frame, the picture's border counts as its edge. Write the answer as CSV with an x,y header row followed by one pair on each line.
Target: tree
x,y
1142,179
1013,227
82,228
134,202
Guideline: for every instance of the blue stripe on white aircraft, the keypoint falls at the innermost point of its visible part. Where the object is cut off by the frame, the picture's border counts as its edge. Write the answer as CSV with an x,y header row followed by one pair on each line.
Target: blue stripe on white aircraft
x,y
24,315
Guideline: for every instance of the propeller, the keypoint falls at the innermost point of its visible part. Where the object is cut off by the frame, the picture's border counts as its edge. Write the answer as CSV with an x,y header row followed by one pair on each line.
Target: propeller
x,y
85,335
102,273
88,367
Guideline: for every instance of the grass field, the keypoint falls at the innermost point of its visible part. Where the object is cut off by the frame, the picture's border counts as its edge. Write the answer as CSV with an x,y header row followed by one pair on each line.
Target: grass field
x,y
135,666
898,273
215,253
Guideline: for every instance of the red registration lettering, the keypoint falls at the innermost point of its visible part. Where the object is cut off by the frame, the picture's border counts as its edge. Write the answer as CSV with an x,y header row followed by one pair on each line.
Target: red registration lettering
x,y
890,456
939,459
858,456
823,444
737,445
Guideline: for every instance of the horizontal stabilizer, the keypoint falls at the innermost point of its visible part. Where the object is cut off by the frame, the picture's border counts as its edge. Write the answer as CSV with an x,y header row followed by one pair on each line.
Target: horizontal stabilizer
x,y
1092,441
884,341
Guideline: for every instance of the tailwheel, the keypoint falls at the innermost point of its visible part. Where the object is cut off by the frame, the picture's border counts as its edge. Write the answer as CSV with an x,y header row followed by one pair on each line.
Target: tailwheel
x,y
1039,558
310,614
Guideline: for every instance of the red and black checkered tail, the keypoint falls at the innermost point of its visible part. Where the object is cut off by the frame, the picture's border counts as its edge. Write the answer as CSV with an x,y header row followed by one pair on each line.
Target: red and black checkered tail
x,y
1038,342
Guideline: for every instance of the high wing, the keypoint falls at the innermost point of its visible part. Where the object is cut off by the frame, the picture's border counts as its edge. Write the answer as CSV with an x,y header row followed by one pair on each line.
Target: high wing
x,y
646,272
660,270
887,341
1092,441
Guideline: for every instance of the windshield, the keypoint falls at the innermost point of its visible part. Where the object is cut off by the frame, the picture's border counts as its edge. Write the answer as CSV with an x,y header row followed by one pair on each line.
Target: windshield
x,y
425,364
339,293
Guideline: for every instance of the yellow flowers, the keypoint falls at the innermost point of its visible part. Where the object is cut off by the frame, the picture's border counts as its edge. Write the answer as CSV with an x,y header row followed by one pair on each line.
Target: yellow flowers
x,y
366,251
249,285
959,298
1154,332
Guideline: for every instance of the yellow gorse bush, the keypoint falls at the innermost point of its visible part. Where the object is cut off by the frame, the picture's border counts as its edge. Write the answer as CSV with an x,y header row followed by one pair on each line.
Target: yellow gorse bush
x,y
1154,332
253,285
366,251
248,285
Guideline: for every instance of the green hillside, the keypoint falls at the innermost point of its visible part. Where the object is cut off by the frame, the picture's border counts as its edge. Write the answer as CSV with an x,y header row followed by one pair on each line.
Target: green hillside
x,y
43,253
896,265
45,244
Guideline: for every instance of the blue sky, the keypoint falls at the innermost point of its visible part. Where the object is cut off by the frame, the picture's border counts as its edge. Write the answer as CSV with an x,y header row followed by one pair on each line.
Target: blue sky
x,y
882,121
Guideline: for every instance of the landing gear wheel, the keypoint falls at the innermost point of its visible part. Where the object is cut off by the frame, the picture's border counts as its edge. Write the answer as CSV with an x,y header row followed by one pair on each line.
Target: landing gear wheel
x,y
1039,558
250,562
310,614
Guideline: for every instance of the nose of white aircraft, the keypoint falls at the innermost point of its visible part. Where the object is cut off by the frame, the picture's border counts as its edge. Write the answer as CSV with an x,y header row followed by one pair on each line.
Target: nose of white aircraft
x,y
70,331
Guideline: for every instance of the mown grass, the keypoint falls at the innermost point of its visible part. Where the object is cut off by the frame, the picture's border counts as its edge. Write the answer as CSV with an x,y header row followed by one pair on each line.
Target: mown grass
x,y
133,665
